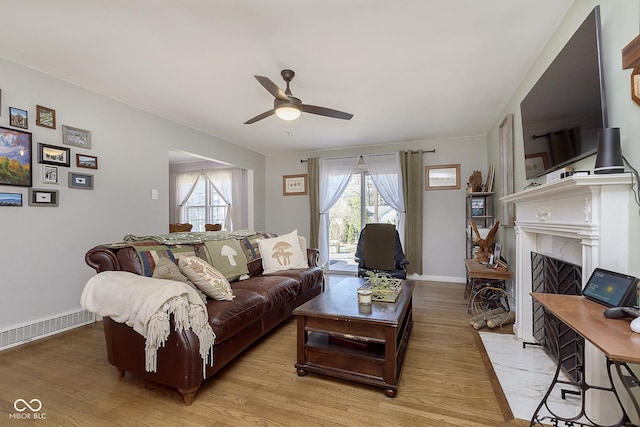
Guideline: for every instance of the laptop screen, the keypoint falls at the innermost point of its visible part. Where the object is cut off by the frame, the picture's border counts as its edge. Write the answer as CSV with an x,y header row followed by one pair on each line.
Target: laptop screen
x,y
611,289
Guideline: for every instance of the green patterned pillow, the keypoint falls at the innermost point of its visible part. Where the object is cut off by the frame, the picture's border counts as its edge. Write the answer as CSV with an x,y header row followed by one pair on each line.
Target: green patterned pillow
x,y
227,257
206,278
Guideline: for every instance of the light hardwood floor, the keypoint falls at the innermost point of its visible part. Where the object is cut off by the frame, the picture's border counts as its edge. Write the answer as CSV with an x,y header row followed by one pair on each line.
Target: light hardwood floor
x,y
446,380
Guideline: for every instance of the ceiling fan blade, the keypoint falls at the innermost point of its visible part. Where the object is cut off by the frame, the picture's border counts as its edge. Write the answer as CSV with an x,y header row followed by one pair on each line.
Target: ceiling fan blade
x,y
260,117
272,88
322,111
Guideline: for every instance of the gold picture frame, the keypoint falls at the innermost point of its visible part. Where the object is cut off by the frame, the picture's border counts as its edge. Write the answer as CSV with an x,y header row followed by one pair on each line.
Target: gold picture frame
x,y
443,177
295,185
45,117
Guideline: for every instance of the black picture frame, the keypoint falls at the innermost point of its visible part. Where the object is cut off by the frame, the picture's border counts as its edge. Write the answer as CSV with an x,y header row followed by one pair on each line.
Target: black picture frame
x,y
16,149
40,197
54,155
18,118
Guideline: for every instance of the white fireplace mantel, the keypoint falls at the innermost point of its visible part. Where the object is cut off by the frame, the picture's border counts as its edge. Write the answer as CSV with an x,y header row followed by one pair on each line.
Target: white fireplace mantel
x,y
593,209
589,214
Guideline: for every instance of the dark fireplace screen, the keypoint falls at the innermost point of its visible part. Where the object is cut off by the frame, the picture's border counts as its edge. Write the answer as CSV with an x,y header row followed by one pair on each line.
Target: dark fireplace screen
x,y
551,275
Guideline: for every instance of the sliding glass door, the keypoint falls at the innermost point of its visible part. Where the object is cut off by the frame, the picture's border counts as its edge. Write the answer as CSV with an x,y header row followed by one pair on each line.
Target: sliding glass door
x,y
359,204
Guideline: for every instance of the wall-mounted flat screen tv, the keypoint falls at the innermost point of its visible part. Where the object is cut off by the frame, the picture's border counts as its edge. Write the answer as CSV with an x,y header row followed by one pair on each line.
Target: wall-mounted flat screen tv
x,y
565,110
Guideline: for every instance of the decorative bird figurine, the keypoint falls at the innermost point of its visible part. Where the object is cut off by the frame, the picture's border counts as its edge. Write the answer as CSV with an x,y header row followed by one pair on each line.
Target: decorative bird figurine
x,y
484,245
475,181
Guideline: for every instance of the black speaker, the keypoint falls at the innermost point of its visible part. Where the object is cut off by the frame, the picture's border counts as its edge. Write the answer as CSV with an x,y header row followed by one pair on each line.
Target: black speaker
x,y
609,158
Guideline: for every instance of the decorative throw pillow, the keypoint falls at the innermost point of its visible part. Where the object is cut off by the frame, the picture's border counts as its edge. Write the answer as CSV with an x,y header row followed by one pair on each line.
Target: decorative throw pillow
x,y
250,245
168,270
227,257
282,253
208,279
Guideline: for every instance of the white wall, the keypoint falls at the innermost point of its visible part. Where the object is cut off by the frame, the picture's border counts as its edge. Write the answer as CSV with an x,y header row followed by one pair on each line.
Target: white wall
x,y
620,25
444,210
43,248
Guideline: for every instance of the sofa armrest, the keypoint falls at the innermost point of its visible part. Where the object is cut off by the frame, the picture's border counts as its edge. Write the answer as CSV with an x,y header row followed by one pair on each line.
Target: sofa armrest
x,y
313,256
102,259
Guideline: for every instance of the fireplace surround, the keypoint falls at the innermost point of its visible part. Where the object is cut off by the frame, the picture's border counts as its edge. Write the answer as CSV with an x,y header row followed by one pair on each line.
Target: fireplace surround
x,y
582,220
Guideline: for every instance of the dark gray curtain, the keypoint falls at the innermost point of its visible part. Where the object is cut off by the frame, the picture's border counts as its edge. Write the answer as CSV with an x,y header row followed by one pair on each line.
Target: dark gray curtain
x,y
314,202
412,187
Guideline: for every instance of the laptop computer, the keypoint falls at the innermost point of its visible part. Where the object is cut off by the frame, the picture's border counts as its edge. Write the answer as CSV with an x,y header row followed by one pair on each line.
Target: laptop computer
x,y
611,289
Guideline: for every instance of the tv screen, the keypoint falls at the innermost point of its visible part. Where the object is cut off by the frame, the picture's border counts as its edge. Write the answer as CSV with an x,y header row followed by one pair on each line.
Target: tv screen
x,y
565,110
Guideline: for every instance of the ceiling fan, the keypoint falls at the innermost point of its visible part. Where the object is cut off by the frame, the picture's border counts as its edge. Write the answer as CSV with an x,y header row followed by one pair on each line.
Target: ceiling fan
x,y
288,107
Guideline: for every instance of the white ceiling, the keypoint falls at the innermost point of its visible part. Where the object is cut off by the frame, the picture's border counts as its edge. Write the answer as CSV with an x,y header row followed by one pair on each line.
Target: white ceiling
x,y
407,69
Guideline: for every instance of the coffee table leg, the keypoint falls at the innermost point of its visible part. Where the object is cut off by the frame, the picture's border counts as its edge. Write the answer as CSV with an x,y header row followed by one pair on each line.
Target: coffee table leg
x,y
390,393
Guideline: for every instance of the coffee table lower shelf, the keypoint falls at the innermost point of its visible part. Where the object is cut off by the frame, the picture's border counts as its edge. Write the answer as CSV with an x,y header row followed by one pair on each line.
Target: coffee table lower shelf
x,y
356,360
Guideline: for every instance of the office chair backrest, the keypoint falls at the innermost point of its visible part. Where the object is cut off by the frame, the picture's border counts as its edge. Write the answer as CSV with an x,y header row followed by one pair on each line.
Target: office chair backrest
x,y
379,246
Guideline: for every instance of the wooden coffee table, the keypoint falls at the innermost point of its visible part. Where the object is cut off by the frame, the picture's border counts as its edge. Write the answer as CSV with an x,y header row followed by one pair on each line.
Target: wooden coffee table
x,y
341,338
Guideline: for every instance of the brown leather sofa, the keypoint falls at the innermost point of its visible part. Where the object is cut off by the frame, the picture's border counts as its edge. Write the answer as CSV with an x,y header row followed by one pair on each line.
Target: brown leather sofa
x,y
261,303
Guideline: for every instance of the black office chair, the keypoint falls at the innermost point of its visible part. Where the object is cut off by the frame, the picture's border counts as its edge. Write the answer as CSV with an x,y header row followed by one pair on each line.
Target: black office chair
x,y
380,251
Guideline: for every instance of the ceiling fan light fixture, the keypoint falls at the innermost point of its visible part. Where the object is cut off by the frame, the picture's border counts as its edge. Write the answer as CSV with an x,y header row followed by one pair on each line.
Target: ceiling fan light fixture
x,y
288,111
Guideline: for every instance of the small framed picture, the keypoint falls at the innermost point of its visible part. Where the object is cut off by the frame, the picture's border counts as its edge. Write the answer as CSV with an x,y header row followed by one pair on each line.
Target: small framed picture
x,y
54,155
81,181
443,177
76,137
294,185
84,161
39,197
49,174
11,199
45,117
18,118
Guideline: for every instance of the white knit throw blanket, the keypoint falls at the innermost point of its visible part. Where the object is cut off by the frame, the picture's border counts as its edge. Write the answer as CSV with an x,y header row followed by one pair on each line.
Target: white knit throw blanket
x,y
145,304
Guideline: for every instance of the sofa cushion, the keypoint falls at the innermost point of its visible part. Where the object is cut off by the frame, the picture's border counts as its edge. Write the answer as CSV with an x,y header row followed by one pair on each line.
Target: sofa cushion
x,y
282,253
208,279
227,257
228,317
167,269
276,289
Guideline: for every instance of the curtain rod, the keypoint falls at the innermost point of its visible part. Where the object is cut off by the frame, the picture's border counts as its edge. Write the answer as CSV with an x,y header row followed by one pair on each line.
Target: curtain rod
x,y
380,154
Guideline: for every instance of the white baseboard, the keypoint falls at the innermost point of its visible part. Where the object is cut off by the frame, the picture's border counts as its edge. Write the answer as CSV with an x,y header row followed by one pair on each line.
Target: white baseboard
x,y
431,278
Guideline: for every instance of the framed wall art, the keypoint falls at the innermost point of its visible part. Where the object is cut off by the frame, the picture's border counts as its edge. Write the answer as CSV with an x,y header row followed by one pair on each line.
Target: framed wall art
x,y
54,155
40,197
81,181
15,157
10,199
18,118
443,177
45,117
76,137
49,174
85,161
294,185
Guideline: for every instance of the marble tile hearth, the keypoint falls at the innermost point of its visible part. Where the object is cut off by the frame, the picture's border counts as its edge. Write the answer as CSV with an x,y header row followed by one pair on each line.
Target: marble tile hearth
x,y
525,375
